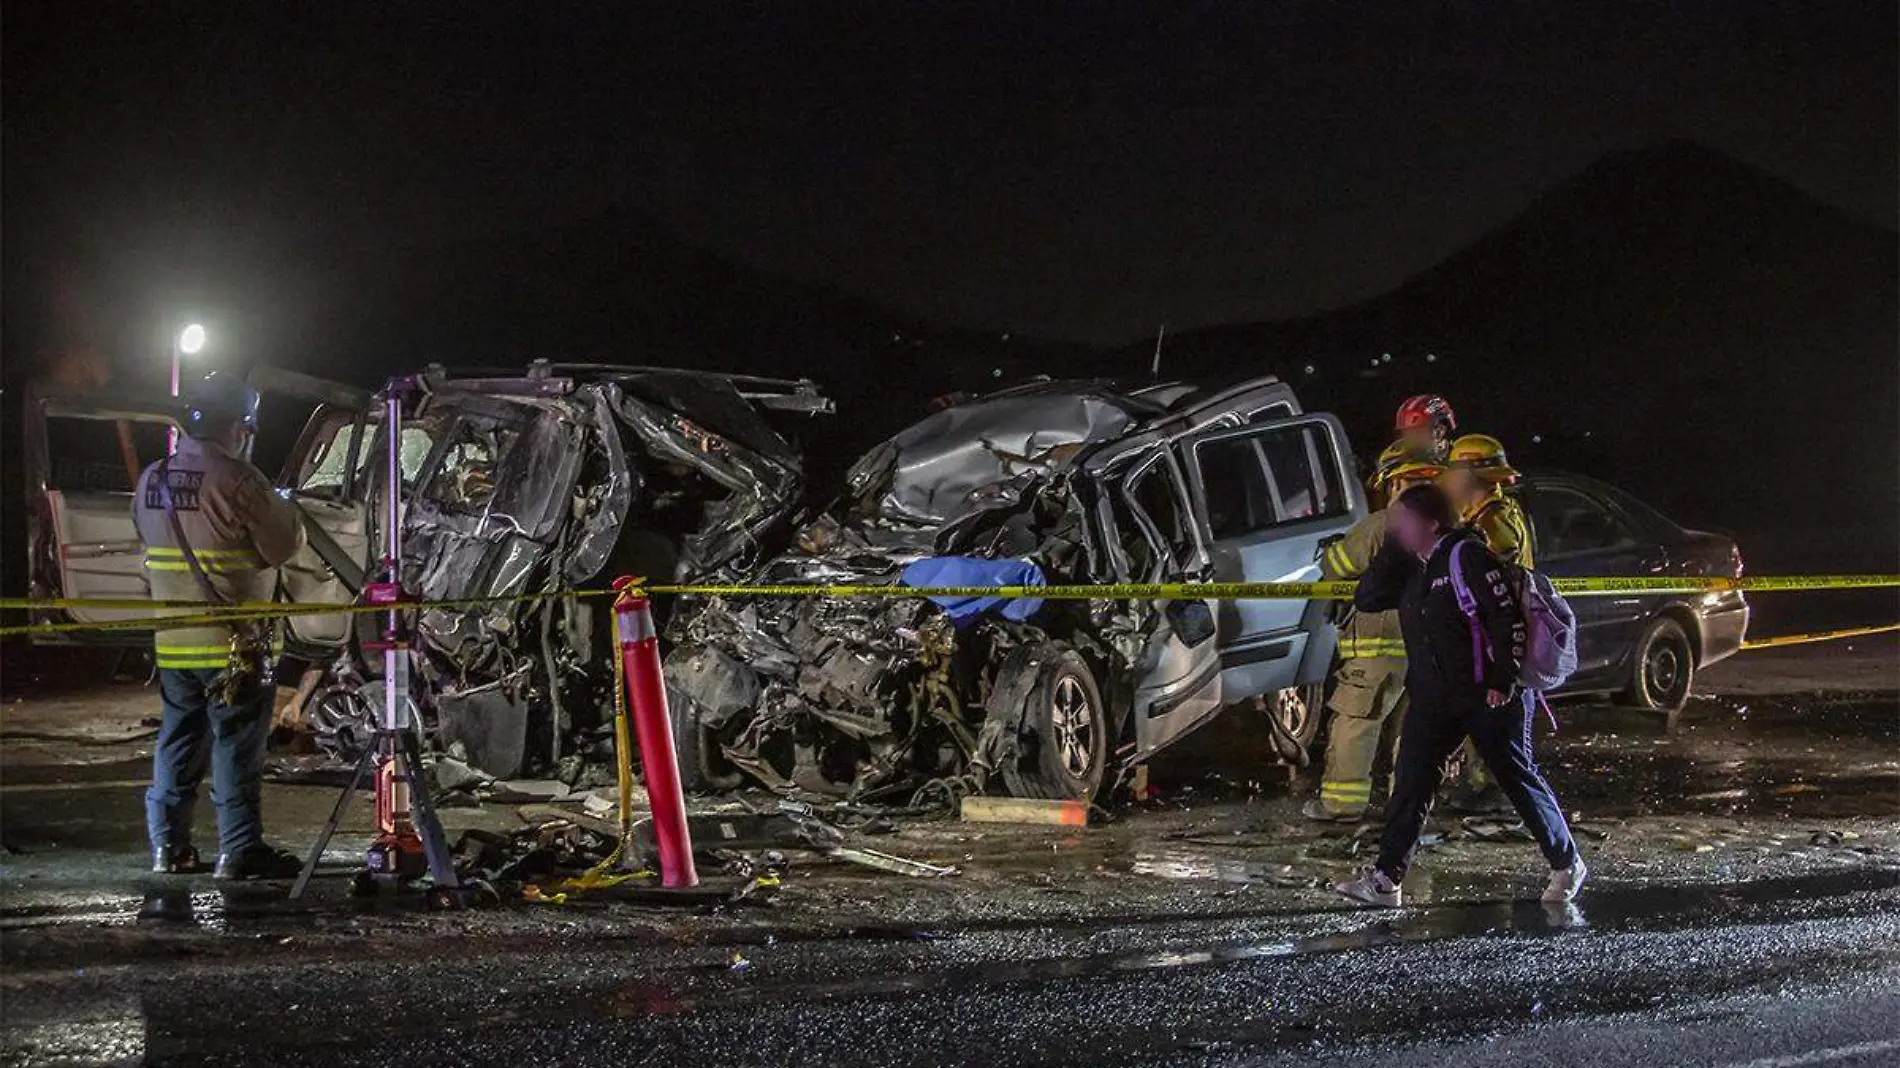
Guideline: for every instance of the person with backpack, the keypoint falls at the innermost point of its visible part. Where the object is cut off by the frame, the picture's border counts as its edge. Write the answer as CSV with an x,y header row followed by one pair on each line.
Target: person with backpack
x,y
1466,644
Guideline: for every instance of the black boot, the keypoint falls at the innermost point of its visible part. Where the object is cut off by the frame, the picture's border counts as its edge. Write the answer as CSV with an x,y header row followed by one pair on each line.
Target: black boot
x,y
260,861
176,860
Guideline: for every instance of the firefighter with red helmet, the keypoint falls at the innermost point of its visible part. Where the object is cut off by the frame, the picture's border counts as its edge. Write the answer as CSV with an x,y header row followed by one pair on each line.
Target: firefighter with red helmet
x,y
1426,424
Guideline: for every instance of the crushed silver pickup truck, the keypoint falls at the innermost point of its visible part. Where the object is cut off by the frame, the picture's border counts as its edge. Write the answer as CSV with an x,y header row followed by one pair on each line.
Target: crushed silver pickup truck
x,y
561,480
555,479
880,698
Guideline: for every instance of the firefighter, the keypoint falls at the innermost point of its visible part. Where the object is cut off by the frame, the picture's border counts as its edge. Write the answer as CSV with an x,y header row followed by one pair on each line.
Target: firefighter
x,y
1368,699
213,532
1461,686
1476,474
1426,424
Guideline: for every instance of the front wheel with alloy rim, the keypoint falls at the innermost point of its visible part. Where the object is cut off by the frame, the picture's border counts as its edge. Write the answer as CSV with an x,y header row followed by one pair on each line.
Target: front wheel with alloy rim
x,y
1293,720
1664,669
1051,695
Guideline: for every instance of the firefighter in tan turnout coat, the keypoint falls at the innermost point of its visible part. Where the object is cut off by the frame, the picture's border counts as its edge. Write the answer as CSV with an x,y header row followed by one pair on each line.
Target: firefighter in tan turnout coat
x,y
213,531
1368,698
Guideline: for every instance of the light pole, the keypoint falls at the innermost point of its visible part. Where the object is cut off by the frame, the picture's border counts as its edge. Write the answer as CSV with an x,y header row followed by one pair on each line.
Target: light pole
x,y
189,342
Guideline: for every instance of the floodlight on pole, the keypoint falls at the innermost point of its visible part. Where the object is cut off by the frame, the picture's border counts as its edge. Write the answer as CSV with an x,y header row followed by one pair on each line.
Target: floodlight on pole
x,y
189,342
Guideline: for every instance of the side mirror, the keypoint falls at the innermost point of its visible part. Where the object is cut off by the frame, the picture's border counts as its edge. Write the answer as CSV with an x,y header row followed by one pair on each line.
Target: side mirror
x,y
1325,543
1193,621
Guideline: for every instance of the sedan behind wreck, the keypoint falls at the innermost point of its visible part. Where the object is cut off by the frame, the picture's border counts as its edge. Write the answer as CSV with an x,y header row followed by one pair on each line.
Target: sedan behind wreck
x,y
1055,482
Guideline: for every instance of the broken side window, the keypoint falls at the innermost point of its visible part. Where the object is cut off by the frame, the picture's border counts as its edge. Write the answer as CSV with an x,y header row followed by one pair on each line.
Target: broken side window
x,y
1153,525
465,478
92,454
1259,481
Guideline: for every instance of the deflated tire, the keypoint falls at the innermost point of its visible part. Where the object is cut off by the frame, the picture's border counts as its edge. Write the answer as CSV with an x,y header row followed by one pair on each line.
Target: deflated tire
x,y
1047,696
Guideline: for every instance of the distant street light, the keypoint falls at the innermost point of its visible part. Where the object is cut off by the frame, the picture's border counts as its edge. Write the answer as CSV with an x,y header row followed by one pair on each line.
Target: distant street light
x,y
189,342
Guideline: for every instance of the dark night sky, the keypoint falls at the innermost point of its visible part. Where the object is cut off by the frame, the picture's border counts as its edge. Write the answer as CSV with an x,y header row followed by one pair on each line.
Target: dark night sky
x,y
1080,170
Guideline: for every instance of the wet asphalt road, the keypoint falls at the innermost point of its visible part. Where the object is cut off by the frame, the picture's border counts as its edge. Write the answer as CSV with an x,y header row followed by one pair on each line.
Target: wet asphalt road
x,y
1746,912
1763,974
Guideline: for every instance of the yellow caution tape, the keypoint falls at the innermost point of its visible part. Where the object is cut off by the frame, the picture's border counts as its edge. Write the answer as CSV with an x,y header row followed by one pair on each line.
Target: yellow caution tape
x,y
1819,636
282,608
211,614
1157,591
1269,591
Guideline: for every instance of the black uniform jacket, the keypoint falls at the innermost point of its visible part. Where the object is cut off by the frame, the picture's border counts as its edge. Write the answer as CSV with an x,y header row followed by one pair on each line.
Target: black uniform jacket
x,y
1439,644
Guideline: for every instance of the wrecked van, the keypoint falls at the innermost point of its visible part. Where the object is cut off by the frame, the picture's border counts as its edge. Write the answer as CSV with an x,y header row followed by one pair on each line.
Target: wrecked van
x,y
560,480
537,483
886,698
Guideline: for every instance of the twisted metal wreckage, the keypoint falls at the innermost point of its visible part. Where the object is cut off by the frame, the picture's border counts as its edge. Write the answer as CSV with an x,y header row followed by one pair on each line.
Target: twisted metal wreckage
x,y
895,698
565,476
556,481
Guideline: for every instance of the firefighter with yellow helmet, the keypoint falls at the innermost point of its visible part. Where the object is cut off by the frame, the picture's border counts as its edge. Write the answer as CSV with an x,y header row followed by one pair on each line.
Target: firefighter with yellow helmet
x,y
1368,697
1477,472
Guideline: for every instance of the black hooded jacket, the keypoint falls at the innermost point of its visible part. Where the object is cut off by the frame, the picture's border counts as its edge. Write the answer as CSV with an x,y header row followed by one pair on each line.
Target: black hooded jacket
x,y
1438,636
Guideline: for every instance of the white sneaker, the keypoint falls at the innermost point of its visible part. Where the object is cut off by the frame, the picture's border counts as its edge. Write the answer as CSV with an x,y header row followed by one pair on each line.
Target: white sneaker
x,y
1371,888
1565,882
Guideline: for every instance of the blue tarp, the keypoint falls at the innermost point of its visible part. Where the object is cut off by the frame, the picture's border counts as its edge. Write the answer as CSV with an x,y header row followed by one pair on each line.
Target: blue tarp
x,y
975,571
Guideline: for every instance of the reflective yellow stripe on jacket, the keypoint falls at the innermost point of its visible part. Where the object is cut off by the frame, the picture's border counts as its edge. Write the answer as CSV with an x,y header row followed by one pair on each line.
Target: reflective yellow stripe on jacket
x,y
192,656
1340,561
190,653
1362,634
1352,646
214,561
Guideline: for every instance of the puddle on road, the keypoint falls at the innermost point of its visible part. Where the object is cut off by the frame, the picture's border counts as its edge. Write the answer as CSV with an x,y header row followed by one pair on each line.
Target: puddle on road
x,y
1601,909
1818,757
217,910
1810,758
1218,869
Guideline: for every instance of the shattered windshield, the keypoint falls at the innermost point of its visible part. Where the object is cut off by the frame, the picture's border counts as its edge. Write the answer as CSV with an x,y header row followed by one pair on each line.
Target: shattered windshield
x,y
324,473
464,480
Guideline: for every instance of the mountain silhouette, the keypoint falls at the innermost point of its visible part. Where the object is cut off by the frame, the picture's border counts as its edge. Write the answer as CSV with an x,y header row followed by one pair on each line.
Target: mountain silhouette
x,y
619,287
1669,319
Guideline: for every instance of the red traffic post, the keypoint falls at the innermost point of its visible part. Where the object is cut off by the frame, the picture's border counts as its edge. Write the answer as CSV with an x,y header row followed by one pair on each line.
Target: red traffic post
x,y
653,726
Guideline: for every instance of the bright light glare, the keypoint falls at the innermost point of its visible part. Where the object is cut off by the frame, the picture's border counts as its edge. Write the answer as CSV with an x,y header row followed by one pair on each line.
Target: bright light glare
x,y
192,340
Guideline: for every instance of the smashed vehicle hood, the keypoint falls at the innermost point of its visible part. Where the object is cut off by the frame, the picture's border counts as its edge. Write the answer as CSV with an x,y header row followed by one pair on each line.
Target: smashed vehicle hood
x,y
982,455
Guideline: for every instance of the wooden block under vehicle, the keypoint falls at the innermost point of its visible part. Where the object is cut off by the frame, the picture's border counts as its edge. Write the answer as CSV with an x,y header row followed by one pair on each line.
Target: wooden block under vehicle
x,y
1025,810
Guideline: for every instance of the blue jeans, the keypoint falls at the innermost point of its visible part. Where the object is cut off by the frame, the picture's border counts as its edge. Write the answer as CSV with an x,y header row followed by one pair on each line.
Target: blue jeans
x,y
1433,731
197,731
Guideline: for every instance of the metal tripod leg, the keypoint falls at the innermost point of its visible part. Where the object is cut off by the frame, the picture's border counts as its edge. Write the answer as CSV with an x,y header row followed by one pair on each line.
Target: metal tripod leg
x,y
363,764
435,847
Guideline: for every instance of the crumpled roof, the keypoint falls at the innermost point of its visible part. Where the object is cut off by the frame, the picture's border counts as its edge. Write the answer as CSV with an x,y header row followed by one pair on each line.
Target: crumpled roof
x,y
952,462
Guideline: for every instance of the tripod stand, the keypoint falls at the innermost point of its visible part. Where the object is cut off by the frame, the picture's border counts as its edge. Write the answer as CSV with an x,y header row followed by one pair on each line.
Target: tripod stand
x,y
409,837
